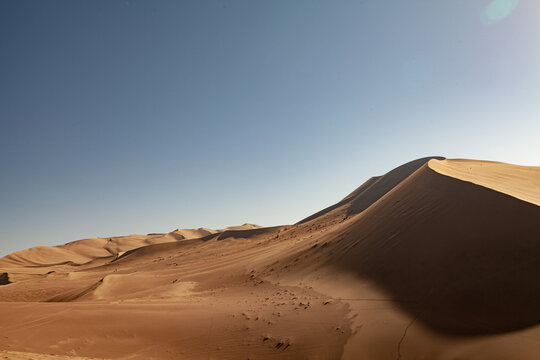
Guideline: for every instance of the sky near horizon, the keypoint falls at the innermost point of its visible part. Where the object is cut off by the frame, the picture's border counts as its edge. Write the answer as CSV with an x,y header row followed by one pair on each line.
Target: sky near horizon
x,y
121,117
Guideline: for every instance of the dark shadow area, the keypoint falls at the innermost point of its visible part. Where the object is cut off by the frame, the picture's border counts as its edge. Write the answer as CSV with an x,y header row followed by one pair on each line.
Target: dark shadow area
x,y
463,258
4,279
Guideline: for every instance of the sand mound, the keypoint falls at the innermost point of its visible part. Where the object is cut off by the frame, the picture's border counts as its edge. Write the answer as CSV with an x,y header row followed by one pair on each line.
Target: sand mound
x,y
242,227
44,256
139,286
85,251
181,234
241,233
74,294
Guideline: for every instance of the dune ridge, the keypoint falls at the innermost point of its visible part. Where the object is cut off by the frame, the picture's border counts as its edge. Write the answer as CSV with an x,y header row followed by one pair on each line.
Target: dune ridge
x,y
521,182
369,192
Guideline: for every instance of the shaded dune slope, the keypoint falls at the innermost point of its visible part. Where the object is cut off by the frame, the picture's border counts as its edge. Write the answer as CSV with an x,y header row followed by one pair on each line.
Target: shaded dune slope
x,y
461,257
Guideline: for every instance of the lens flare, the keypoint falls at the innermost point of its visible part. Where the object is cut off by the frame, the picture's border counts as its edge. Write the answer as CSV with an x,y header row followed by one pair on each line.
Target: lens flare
x,y
498,10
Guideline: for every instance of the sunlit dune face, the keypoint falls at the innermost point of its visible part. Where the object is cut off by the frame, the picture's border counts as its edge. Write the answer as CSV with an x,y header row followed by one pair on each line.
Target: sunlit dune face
x,y
498,10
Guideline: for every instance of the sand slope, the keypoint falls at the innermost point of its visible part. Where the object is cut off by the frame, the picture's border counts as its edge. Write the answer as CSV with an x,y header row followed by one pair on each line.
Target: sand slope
x,y
84,251
368,193
437,259
459,265
522,182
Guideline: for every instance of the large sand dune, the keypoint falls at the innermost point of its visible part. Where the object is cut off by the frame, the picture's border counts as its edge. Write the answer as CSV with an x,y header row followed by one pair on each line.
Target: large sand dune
x,y
437,259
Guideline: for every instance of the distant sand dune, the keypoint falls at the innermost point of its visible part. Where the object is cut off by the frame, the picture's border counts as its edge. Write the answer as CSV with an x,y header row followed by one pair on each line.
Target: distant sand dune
x,y
81,252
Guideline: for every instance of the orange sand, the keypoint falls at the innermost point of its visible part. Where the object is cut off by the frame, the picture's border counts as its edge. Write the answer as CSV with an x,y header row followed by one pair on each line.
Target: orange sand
x,y
437,259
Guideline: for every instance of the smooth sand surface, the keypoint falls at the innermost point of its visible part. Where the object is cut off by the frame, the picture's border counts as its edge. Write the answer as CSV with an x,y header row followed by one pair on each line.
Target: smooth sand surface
x,y
14,355
522,182
437,259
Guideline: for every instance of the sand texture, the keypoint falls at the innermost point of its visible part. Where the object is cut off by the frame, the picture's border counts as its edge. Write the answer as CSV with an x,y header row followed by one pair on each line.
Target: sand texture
x,y
437,259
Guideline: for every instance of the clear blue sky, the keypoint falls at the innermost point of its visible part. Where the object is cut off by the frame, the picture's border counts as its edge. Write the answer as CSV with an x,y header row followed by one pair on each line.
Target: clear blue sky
x,y
121,117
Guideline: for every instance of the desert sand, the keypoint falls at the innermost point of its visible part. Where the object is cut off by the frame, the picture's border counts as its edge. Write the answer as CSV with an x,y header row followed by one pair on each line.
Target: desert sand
x,y
437,259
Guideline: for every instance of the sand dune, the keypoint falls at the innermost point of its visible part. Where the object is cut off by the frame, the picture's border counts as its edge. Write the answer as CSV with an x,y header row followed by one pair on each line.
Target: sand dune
x,y
369,192
81,251
437,259
84,251
446,258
